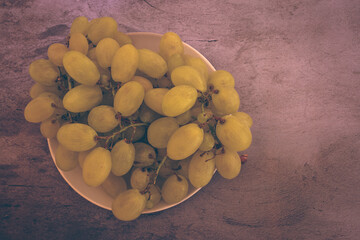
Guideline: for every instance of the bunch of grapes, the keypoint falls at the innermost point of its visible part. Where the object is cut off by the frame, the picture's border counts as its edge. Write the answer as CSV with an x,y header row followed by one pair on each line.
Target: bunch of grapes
x,y
141,124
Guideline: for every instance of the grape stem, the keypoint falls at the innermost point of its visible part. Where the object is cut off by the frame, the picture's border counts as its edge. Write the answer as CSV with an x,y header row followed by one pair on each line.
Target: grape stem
x,y
158,169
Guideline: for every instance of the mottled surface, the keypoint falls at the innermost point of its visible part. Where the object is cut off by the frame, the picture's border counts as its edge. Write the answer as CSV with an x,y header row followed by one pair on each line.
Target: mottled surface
x,y
297,70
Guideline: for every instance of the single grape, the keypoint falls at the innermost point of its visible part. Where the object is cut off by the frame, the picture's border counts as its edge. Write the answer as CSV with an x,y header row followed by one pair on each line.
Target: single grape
x,y
38,88
221,79
174,189
102,118
208,142
82,156
113,185
128,205
122,38
44,72
160,130
184,118
82,98
49,127
188,75
124,63
105,51
178,100
39,109
129,98
147,115
144,155
122,156
242,116
78,42
226,101
176,60
65,159
144,82
80,25
151,63
153,196
135,134
228,164
59,107
56,53
198,64
201,168
170,44
183,167
101,28
154,99
139,178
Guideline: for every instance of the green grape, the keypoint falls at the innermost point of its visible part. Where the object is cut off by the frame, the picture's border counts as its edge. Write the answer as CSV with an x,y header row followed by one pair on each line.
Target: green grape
x,y
80,25
154,98
160,131
184,118
113,185
122,156
129,98
124,63
135,135
153,197
78,42
139,178
128,205
49,127
174,189
228,164
242,116
151,63
167,169
56,53
101,28
170,44
233,134
147,115
102,118
164,82
92,55
178,100
65,159
185,141
208,142
77,137
81,68
188,75
201,168
82,156
203,117
144,82
122,38
82,98
39,109
44,72
221,79
144,155
183,167
176,60
96,167
226,101
198,64
59,109
105,51
38,88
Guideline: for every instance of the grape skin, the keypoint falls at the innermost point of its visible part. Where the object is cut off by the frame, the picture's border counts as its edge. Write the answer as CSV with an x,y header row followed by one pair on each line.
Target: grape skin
x,y
201,168
174,189
122,157
128,205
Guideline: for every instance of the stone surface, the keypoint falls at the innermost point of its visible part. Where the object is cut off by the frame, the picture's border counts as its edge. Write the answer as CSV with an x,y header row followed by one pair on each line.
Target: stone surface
x,y
296,65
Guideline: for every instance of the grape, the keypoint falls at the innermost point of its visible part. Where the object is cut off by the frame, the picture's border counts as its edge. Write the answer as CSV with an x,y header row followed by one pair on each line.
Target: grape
x,y
80,25
56,53
187,75
203,117
144,82
38,88
96,167
113,185
228,164
122,156
221,79
139,178
244,117
198,64
128,205
49,127
82,98
183,166
178,100
167,169
102,28
102,118
77,137
147,115
92,55
153,197
129,98
226,101
170,44
201,168
44,72
39,109
82,156
59,109
233,134
184,118
174,189
151,63
154,99
185,141
78,42
160,130
81,68
122,38
65,159
139,133
124,63
176,60
208,142
144,155
105,51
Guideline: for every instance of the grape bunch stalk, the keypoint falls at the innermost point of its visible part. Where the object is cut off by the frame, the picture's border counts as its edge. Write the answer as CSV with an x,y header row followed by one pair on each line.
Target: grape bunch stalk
x,y
143,125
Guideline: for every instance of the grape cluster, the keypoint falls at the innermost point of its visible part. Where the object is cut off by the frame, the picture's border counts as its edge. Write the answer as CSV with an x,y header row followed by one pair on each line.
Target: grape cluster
x,y
143,125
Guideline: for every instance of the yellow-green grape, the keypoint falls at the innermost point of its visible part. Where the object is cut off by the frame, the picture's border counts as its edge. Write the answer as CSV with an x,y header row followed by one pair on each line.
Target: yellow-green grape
x,y
65,159
208,142
105,51
44,72
56,53
135,135
226,101
78,42
144,82
49,127
77,137
154,99
198,64
128,98
38,88
144,155
184,118
220,79
122,38
160,130
139,178
174,189
102,28
39,109
122,157
59,109
124,63
233,134
170,44
178,100
242,116
82,156
203,116
201,168
128,205
185,141
183,167
187,75
164,82
105,74
153,197
113,185
176,60
151,63
228,164
97,166
81,68
82,98
92,54
80,25
102,118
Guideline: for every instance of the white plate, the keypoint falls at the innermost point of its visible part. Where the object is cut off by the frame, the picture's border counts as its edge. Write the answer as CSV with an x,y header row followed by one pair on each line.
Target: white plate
x,y
96,195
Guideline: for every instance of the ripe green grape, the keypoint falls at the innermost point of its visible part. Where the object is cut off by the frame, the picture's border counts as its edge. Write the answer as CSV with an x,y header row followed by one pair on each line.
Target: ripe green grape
x,y
176,60
144,82
198,64
59,107
135,135
154,99
208,142
78,42
228,164
178,100
128,205
38,88
113,185
221,79
183,167
188,75
160,130
102,118
82,98
201,168
124,63
184,118
139,178
151,63
147,115
39,109
129,98
203,117
82,156
153,197
49,127
144,155
170,44
226,101
122,156
185,141
56,53
65,159
44,72
102,28
242,116
80,25
105,51
96,167
77,137
122,38
174,189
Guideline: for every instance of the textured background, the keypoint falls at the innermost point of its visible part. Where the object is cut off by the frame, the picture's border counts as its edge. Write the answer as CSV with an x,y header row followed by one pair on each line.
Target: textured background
x,y
297,70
